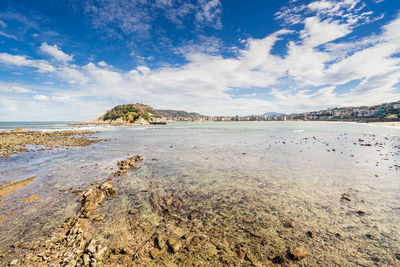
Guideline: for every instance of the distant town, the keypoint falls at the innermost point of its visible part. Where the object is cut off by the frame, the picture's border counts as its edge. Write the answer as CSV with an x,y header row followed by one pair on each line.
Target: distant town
x,y
382,112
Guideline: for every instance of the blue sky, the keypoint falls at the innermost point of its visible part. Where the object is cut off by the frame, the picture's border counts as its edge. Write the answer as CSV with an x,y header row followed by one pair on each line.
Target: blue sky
x,y
72,60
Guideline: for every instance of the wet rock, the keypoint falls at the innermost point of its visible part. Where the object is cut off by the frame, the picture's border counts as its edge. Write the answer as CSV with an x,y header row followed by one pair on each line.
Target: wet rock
x,y
174,244
397,254
17,244
154,253
346,197
13,262
298,253
133,211
361,212
100,253
159,242
108,189
71,263
93,262
370,236
228,250
288,224
99,218
250,257
279,259
124,165
91,247
86,259
375,258
90,201
195,240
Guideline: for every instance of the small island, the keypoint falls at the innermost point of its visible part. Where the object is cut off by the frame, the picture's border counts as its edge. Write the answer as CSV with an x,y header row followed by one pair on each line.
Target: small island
x,y
128,114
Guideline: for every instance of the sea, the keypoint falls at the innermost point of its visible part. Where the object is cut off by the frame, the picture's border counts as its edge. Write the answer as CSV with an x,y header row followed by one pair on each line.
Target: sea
x,y
234,175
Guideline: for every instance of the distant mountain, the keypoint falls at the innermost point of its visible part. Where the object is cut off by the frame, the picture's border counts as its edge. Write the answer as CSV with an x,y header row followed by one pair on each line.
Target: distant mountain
x,y
180,115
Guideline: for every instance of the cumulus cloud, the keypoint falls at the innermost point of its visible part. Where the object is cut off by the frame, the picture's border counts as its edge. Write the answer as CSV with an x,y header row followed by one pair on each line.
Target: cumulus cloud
x,y
55,52
21,60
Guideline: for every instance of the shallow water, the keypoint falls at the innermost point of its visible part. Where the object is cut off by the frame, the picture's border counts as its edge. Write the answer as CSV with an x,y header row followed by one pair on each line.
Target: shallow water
x,y
241,181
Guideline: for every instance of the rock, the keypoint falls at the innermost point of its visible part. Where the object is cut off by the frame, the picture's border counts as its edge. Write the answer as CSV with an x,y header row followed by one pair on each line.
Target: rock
x,y
361,212
154,253
71,263
13,262
346,197
86,259
90,201
288,224
100,253
133,211
370,236
108,189
279,259
99,218
159,242
91,247
298,253
228,250
77,192
250,257
175,244
310,234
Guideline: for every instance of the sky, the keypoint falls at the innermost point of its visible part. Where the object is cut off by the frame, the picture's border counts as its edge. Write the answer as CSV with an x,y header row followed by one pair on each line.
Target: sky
x,y
75,59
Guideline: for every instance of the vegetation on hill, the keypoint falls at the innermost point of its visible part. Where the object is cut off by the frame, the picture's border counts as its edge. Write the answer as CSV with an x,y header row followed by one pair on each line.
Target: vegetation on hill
x,y
131,113
180,115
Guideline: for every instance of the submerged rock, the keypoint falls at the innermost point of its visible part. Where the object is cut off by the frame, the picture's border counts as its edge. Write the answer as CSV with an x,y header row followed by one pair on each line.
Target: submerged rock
x,y
298,253
174,244
159,242
154,253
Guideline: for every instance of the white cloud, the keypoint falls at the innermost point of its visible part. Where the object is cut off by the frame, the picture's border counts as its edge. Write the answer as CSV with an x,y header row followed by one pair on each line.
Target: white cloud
x,y
18,60
14,88
10,36
41,97
209,13
55,52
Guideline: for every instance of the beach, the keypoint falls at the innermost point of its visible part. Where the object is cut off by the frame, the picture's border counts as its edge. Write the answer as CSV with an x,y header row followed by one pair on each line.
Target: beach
x,y
207,194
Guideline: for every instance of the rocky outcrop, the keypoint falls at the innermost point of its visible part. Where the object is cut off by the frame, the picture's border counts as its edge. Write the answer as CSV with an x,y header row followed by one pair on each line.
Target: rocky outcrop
x,y
125,165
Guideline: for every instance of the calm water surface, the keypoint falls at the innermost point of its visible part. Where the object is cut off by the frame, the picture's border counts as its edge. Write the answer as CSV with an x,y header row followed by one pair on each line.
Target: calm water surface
x,y
267,172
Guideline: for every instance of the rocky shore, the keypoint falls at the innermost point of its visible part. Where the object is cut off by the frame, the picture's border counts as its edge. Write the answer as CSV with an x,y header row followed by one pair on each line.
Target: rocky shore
x,y
72,244
16,141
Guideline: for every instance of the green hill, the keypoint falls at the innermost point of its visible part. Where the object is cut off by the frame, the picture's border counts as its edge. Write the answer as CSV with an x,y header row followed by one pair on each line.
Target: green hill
x,y
131,113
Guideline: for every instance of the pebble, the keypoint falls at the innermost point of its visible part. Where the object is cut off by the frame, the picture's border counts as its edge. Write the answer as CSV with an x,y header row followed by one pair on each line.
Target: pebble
x,y
310,234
